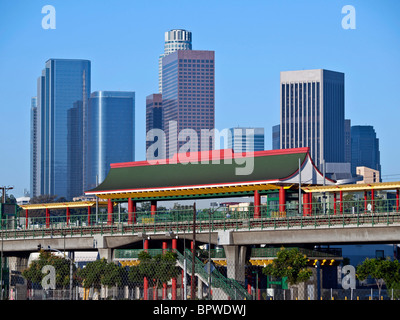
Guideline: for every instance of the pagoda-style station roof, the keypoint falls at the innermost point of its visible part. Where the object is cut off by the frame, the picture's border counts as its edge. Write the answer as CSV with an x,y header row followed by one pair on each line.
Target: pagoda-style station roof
x,y
218,173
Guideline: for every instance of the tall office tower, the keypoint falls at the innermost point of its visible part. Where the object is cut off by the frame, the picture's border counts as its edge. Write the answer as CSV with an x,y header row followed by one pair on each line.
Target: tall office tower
x,y
188,98
75,156
246,139
312,113
364,148
347,141
63,82
154,120
111,133
175,39
276,137
34,155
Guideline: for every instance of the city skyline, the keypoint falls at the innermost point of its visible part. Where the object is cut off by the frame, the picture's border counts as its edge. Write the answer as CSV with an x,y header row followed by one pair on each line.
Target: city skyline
x,y
253,84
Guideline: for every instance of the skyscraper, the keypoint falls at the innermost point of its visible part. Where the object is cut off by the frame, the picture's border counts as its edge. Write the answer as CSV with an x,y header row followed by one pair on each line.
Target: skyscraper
x,y
34,155
312,113
111,133
188,98
63,82
246,139
364,148
175,39
276,137
75,155
154,119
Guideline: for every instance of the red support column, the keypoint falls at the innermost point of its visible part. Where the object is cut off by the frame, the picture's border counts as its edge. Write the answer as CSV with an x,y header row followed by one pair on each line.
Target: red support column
x,y
334,203
397,199
310,204
153,208
130,211
89,212
372,200
306,211
47,218
257,203
282,200
110,212
341,201
145,281
164,290
365,202
26,218
68,216
174,246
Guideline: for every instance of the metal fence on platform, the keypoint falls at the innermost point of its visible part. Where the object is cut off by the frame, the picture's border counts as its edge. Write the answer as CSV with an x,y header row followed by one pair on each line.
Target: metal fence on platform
x,y
155,275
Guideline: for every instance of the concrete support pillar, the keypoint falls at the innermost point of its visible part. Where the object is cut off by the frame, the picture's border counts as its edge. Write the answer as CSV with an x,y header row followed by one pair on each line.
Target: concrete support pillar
x,y
235,262
105,253
110,212
282,200
257,204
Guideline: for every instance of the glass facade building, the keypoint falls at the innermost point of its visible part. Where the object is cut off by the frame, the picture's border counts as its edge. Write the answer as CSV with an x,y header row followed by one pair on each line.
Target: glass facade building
x,y
154,120
364,148
243,139
276,137
63,82
111,133
312,113
188,97
34,155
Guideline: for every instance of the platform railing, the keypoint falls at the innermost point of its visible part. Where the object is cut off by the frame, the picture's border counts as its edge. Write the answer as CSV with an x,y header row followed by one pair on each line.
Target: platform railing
x,y
314,215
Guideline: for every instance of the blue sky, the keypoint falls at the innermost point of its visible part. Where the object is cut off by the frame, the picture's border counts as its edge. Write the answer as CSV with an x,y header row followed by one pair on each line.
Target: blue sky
x,y
253,41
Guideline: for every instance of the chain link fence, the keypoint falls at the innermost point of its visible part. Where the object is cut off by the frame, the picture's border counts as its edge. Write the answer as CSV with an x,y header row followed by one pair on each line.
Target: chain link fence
x,y
168,276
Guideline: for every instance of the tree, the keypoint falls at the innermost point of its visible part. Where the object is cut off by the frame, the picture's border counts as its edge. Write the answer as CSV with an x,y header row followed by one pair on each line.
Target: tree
x,y
384,271
158,269
291,264
100,272
62,267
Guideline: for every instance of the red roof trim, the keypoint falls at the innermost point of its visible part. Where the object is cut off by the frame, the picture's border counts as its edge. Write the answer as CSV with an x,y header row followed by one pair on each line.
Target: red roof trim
x,y
197,186
209,156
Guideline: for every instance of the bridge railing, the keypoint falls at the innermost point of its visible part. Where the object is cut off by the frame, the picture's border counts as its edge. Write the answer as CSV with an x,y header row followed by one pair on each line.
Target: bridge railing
x,y
317,214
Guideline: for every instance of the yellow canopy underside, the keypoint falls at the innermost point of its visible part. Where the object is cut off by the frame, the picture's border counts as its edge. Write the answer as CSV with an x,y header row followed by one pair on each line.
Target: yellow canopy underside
x,y
354,187
62,205
189,191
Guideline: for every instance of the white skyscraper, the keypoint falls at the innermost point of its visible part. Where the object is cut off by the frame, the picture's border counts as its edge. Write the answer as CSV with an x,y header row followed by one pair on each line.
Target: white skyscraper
x,y
175,39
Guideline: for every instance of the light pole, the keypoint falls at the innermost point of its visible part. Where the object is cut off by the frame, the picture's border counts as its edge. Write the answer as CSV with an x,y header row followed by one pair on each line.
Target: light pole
x,y
4,188
70,270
